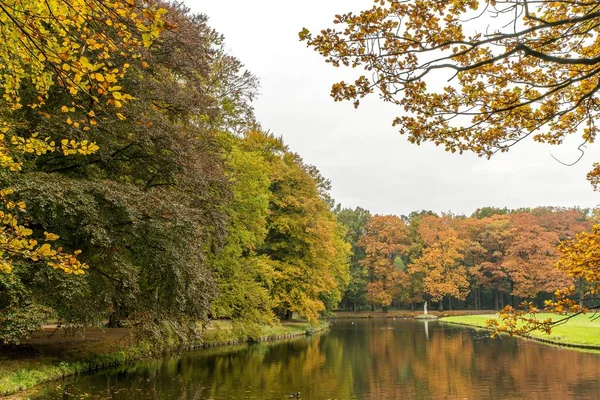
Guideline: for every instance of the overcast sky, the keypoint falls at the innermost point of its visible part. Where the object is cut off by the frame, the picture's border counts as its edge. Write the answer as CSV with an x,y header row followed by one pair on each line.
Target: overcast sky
x,y
368,162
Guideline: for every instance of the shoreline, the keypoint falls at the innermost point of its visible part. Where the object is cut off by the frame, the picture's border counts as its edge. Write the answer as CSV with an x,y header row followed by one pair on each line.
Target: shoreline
x,y
404,314
44,369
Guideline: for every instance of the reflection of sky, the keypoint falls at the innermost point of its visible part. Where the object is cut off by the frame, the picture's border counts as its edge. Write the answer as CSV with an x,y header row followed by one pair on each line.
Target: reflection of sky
x,y
369,163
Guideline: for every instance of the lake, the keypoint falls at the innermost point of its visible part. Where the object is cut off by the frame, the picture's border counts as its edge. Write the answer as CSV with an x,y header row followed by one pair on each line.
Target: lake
x,y
356,359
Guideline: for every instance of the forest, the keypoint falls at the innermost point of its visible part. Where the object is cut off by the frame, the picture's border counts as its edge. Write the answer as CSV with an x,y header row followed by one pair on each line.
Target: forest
x,y
495,257
140,190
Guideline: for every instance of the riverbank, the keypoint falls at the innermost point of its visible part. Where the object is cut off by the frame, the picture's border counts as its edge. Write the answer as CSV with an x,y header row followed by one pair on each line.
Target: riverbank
x,y
405,313
581,331
53,354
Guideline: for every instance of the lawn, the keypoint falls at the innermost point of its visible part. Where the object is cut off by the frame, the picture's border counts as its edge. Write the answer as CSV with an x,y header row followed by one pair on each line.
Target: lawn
x,y
582,330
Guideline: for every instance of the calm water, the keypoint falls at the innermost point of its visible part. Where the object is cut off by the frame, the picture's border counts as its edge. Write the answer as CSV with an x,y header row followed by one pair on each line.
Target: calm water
x,y
362,359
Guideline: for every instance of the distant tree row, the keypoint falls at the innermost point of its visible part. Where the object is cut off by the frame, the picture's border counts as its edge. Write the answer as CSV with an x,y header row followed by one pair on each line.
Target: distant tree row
x,y
494,258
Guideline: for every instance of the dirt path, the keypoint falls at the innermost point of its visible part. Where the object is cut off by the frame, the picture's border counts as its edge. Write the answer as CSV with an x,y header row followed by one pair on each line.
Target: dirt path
x,y
52,342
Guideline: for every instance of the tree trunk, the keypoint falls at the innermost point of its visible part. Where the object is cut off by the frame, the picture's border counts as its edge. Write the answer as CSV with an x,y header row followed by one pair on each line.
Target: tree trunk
x,y
450,303
496,307
441,305
115,317
288,315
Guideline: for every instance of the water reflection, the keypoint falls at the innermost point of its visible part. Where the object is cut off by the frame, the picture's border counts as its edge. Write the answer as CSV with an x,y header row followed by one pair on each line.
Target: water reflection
x,y
368,359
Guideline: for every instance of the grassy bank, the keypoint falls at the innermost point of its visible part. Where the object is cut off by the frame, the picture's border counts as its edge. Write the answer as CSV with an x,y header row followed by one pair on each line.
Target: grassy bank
x,y
581,331
51,354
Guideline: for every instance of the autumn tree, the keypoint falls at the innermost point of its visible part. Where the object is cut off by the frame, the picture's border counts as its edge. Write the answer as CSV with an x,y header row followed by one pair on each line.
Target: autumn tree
x,y
384,241
441,260
244,277
304,246
566,222
148,207
530,258
494,238
505,83
61,58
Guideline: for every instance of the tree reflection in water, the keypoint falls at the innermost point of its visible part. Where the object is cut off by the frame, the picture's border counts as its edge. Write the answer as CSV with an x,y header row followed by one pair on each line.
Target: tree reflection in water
x,y
367,359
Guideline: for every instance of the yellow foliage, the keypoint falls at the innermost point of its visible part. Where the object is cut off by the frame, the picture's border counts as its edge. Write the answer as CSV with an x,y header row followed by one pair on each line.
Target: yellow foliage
x,y
51,42
16,242
59,43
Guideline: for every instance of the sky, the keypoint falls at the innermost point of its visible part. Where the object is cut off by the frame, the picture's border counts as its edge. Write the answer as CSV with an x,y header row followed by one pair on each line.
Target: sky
x,y
367,161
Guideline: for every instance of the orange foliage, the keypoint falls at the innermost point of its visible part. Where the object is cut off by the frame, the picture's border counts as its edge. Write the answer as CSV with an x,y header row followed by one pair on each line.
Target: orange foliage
x,y
441,261
385,239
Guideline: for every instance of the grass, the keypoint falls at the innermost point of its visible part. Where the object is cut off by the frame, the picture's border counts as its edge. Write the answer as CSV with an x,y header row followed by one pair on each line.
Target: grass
x,y
27,374
580,331
50,355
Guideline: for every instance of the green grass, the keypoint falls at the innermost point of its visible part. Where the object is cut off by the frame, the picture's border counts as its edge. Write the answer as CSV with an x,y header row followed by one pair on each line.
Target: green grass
x,y
580,331
24,374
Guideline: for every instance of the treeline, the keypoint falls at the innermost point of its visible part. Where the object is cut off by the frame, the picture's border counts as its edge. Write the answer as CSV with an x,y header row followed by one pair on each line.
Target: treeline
x,y
186,209
495,257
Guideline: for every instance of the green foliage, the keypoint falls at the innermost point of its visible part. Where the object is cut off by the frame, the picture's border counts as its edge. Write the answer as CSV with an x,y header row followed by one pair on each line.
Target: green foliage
x,y
19,315
242,275
355,222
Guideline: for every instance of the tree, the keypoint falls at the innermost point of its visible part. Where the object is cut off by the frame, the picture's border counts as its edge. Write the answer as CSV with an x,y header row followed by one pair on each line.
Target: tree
x,y
384,240
48,44
566,222
148,206
355,222
485,212
55,50
530,258
244,278
532,71
304,245
494,238
576,261
441,260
